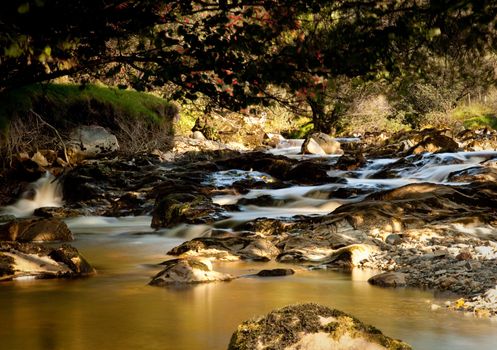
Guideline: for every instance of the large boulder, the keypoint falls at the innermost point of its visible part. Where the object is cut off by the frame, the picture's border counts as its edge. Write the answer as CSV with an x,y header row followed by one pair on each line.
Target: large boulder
x,y
320,143
90,141
30,260
310,327
179,271
35,230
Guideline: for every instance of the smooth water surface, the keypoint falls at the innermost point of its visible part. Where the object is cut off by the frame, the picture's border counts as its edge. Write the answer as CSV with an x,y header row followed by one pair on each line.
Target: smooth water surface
x,y
118,310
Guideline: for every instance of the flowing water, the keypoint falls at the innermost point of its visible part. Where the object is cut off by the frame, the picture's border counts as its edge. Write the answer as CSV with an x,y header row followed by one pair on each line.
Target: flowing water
x,y
117,309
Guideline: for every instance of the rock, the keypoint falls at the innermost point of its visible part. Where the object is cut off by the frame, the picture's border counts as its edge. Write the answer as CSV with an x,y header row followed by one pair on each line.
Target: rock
x,y
327,143
227,248
40,159
474,174
6,218
275,273
39,230
56,212
310,327
310,146
351,161
434,143
21,260
88,142
180,208
393,239
350,256
197,135
389,279
179,271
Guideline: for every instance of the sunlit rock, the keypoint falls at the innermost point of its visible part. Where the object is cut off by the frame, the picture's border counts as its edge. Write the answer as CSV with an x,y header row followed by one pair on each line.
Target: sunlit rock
x,y
434,143
35,230
311,146
310,327
350,256
179,271
227,248
320,143
23,260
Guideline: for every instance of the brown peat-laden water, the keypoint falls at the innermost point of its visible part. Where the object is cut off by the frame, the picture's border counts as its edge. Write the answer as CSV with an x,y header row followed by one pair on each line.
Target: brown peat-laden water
x,y
118,310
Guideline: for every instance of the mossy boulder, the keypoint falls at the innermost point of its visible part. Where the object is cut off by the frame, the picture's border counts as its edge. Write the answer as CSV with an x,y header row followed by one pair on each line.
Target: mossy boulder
x,y
310,327
40,230
179,208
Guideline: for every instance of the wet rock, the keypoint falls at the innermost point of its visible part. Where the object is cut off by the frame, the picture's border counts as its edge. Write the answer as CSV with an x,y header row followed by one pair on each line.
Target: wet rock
x,y
179,208
435,143
265,227
275,273
310,327
478,140
474,174
263,201
188,271
22,260
6,218
351,161
227,248
389,279
56,212
39,230
351,255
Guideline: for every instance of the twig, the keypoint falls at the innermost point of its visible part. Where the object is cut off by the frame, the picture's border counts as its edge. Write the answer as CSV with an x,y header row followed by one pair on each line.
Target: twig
x,y
56,132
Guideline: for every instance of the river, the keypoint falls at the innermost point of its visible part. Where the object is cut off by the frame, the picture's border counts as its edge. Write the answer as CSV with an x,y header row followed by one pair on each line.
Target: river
x,y
117,309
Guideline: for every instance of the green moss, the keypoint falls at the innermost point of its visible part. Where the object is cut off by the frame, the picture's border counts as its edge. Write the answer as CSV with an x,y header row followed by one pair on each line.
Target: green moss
x,y
61,101
475,116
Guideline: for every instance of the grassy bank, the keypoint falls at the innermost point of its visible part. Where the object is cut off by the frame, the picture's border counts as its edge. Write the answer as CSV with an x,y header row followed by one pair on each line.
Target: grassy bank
x,y
140,121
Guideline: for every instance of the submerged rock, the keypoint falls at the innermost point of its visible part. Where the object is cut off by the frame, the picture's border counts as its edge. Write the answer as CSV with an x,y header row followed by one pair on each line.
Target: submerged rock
x,y
275,273
310,327
388,279
35,230
29,260
178,271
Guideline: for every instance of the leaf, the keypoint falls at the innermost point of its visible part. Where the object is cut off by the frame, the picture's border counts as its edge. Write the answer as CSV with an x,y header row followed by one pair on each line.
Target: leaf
x,y
23,8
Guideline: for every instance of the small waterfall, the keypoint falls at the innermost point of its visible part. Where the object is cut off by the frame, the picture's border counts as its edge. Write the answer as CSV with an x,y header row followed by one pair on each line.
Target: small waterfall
x,y
47,193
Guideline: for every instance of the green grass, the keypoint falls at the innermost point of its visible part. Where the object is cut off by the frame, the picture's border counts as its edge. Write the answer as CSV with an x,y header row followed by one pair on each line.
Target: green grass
x,y
475,116
62,101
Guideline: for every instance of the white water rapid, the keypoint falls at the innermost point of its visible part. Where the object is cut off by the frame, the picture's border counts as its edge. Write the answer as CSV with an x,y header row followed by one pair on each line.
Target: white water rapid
x,y
45,192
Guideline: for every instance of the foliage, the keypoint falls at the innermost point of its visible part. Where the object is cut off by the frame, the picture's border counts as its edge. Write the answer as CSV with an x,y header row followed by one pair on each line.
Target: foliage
x,y
234,51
